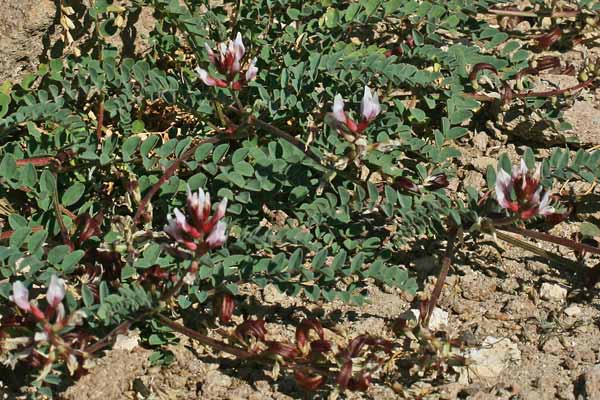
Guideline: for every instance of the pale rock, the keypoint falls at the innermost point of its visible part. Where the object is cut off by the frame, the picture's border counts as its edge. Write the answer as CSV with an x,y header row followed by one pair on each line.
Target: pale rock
x,y
553,346
272,295
573,310
437,321
481,140
473,179
481,163
127,342
553,292
488,361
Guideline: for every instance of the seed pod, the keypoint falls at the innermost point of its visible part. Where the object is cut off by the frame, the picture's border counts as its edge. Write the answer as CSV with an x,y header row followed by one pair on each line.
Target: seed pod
x,y
303,330
284,350
224,305
308,382
402,183
320,346
251,328
345,374
436,181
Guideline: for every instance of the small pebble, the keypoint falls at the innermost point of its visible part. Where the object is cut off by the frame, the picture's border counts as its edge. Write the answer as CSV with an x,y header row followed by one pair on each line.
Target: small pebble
x,y
573,310
553,292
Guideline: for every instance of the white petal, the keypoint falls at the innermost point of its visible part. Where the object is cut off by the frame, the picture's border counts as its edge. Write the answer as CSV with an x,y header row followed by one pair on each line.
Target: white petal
x,y
56,291
503,185
40,337
222,49
173,230
252,71
545,208
217,236
21,296
209,51
239,48
369,106
180,217
204,77
338,108
221,208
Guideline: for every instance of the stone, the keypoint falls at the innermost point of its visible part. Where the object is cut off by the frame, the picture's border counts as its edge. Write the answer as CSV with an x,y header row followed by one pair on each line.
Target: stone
x,y
490,359
553,346
473,179
272,295
481,140
481,163
553,292
591,382
127,342
476,286
573,310
24,25
437,321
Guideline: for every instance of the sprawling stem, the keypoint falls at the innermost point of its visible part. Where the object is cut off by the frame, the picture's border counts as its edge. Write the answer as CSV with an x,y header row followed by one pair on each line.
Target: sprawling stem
x,y
439,284
578,246
558,260
534,14
171,170
238,352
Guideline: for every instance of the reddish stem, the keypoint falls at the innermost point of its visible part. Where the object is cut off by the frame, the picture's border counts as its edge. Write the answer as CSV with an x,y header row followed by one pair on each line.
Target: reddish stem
x,y
170,171
7,234
551,238
36,161
439,284
100,118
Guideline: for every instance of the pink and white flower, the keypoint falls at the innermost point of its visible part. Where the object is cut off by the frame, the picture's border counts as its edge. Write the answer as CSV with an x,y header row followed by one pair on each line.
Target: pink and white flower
x,y
201,230
529,199
228,61
369,109
20,296
56,291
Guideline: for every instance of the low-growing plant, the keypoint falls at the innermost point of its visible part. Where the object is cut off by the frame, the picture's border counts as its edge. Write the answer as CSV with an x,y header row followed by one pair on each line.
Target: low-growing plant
x,y
109,165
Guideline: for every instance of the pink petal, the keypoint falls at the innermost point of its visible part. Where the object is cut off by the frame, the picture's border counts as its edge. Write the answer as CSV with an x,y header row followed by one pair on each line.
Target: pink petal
x,y
56,291
21,296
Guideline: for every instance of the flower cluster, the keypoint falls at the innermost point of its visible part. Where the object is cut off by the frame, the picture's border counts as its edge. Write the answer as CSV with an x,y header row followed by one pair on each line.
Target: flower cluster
x,y
529,197
54,297
56,325
369,109
228,61
201,231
